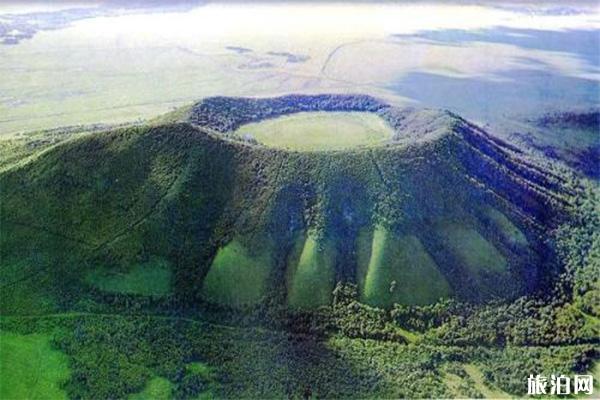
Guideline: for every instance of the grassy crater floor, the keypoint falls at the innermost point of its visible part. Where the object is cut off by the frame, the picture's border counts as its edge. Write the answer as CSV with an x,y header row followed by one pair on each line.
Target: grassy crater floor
x,y
314,131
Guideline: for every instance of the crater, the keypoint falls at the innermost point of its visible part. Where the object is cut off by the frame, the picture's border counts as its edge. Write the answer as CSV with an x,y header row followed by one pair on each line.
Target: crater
x,y
412,205
319,131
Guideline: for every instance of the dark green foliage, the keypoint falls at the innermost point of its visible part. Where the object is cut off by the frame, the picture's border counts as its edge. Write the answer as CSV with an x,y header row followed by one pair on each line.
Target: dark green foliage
x,y
225,114
112,357
111,201
579,248
507,369
523,322
424,318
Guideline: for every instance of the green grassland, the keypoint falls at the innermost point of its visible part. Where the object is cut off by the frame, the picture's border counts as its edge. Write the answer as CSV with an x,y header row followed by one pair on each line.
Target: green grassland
x,y
459,383
399,270
30,368
102,92
319,131
505,227
313,278
476,253
484,387
239,272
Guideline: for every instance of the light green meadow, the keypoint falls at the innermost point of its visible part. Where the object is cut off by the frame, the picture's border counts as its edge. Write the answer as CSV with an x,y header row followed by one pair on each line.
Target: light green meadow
x,y
311,281
314,131
475,252
30,368
507,229
238,274
398,270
